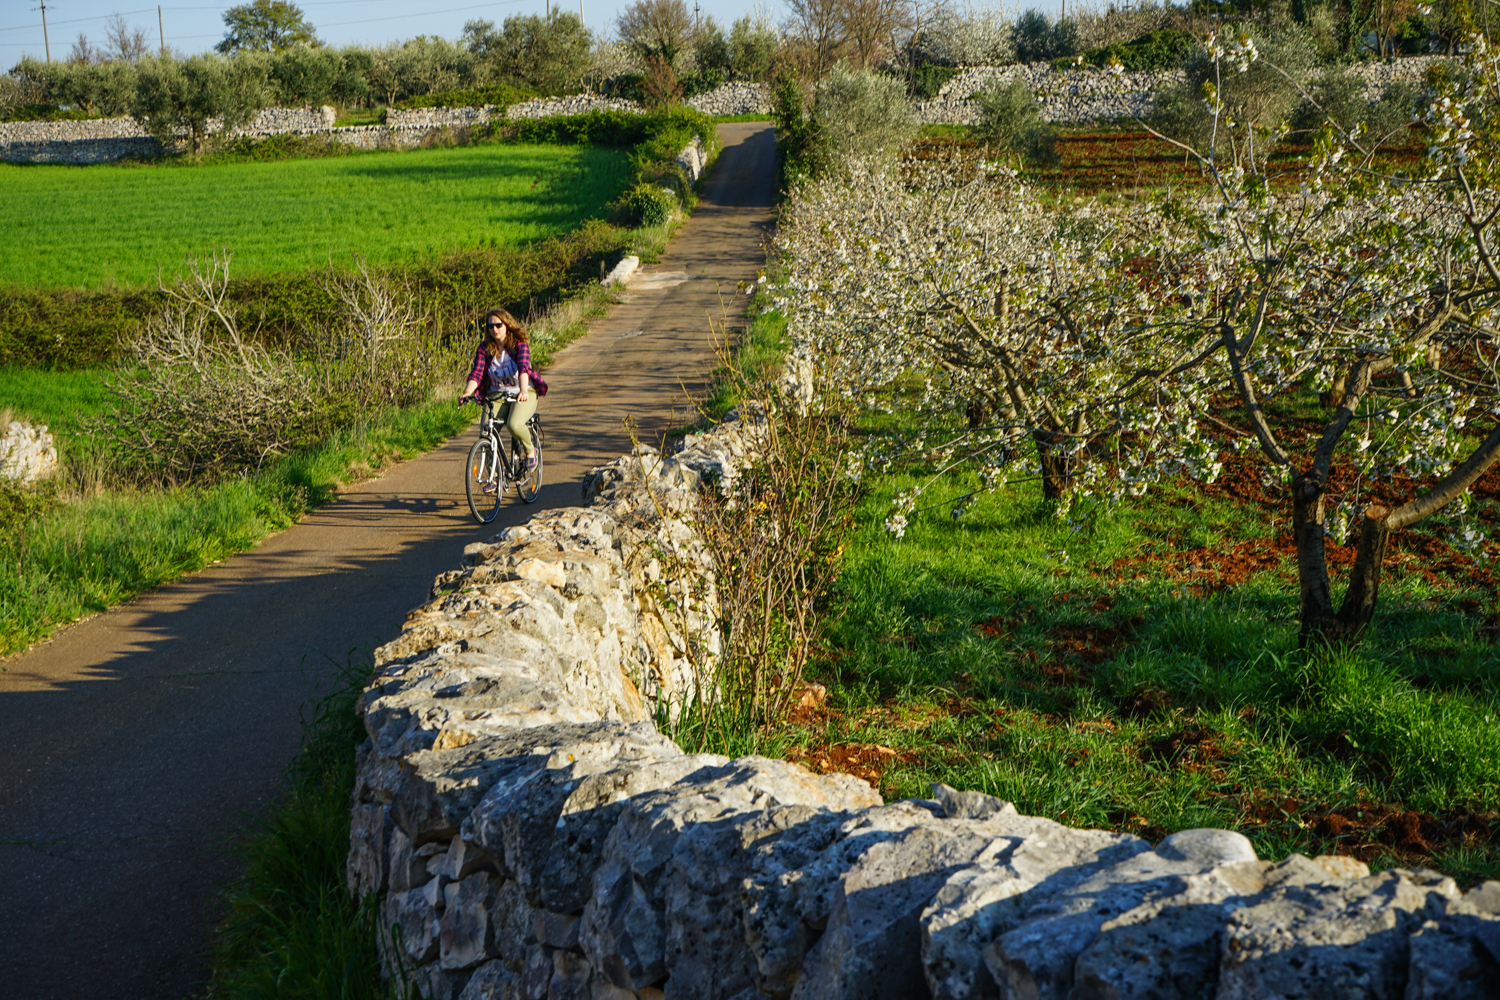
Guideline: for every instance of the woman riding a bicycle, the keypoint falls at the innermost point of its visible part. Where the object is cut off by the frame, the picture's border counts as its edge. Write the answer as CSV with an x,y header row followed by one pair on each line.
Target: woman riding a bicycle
x,y
502,368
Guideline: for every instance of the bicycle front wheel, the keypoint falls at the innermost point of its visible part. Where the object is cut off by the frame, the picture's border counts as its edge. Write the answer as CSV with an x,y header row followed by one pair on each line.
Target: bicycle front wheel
x,y
484,479
528,484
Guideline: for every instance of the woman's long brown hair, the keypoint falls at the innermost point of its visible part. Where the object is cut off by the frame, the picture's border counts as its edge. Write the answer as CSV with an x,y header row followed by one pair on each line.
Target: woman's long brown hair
x,y
515,333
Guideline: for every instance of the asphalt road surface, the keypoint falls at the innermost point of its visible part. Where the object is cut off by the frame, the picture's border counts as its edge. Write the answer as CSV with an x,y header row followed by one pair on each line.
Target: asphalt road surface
x,y
138,744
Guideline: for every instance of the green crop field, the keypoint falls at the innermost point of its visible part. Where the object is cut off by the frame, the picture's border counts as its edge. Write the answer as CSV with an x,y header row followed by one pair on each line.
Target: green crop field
x,y
103,226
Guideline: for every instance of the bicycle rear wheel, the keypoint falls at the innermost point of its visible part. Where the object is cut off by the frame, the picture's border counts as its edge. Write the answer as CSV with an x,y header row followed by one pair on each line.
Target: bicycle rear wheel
x,y
485,468
528,484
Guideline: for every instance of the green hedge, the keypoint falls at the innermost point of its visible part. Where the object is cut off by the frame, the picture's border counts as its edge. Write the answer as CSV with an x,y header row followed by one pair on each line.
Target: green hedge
x,y
500,95
1153,51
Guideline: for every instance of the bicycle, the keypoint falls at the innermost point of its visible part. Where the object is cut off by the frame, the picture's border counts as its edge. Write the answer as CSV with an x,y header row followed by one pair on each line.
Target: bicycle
x,y
497,460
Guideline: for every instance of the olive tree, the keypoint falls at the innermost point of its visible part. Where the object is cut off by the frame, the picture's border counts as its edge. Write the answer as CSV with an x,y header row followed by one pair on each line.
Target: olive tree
x,y
188,97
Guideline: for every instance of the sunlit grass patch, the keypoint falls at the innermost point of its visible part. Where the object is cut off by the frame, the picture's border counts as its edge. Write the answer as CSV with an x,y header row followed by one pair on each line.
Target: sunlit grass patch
x,y
115,225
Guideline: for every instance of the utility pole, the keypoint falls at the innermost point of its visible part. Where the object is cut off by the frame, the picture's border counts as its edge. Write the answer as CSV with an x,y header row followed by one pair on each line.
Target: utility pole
x,y
161,32
580,13
697,22
46,43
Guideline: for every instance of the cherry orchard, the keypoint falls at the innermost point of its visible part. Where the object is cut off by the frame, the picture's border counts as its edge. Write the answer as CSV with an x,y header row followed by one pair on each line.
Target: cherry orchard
x,y
1104,349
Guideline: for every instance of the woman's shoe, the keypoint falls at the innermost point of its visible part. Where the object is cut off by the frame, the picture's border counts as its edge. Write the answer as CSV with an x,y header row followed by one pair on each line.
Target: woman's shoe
x,y
489,487
530,463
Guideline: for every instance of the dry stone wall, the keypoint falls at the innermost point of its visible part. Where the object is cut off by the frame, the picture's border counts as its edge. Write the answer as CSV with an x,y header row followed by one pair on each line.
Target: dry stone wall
x,y
1079,96
1065,96
531,833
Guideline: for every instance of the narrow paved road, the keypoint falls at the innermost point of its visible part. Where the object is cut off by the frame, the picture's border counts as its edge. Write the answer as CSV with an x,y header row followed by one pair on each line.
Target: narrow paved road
x,y
135,745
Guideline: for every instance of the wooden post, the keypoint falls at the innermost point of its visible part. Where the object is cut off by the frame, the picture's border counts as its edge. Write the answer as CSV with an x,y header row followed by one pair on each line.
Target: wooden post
x,y
161,33
46,42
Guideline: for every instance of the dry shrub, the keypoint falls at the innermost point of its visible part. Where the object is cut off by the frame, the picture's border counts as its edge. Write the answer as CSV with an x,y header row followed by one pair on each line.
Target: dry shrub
x,y
197,398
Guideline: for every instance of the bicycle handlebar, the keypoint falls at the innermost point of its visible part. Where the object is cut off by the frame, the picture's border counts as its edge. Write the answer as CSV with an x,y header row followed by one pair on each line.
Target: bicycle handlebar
x,y
509,394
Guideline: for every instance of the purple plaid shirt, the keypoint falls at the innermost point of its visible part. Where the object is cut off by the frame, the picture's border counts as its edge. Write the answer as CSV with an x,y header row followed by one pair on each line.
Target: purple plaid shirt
x,y
520,354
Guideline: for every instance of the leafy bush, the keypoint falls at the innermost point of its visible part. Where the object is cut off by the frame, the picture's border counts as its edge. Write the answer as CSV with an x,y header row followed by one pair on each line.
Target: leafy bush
x,y
797,133
1340,97
928,78
1257,100
1164,49
59,329
861,115
1039,40
1011,120
648,205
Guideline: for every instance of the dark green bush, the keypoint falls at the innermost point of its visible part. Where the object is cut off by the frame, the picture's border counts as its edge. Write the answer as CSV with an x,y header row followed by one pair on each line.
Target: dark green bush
x,y
501,95
928,78
648,205
1153,51
1011,121
61,329
1038,39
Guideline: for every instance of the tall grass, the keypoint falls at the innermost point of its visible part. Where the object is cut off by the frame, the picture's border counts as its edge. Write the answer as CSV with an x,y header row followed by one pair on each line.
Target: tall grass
x,y
295,214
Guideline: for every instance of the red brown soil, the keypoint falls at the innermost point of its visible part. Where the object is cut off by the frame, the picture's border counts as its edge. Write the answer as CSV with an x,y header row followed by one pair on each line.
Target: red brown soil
x,y
1368,829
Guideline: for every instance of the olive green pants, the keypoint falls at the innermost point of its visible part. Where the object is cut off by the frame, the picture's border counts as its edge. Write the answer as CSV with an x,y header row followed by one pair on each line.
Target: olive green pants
x,y
514,415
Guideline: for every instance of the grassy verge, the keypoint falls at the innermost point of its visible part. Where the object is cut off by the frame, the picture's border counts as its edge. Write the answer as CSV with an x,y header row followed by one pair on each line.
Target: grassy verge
x,y
293,931
85,555
1144,676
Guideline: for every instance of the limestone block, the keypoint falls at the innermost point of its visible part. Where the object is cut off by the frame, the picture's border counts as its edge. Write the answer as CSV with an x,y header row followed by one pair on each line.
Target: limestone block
x,y
27,453
549,819
412,922
536,974
464,930
1337,938
669,880
369,834
571,974
979,903
514,922
872,945
555,930
493,981
1167,948
1038,955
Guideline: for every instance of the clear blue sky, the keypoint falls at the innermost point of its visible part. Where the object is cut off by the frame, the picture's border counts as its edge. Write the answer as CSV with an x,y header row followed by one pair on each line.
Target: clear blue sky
x,y
198,27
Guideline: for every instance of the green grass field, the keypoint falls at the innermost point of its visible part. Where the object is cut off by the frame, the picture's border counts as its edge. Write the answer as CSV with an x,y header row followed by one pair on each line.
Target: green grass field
x,y
104,226
58,399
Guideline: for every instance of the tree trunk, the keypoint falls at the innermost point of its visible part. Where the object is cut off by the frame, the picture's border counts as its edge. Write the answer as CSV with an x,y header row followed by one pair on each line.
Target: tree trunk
x,y
1312,563
1057,467
1364,579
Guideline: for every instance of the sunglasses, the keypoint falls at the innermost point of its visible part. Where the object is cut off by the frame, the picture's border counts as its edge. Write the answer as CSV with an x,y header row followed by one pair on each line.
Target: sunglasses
x,y
497,326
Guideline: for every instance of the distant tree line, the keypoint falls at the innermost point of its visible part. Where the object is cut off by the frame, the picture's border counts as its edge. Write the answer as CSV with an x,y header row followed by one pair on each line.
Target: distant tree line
x,y
270,54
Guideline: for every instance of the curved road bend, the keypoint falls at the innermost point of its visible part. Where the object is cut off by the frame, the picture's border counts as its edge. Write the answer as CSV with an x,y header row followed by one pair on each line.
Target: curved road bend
x,y
134,743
